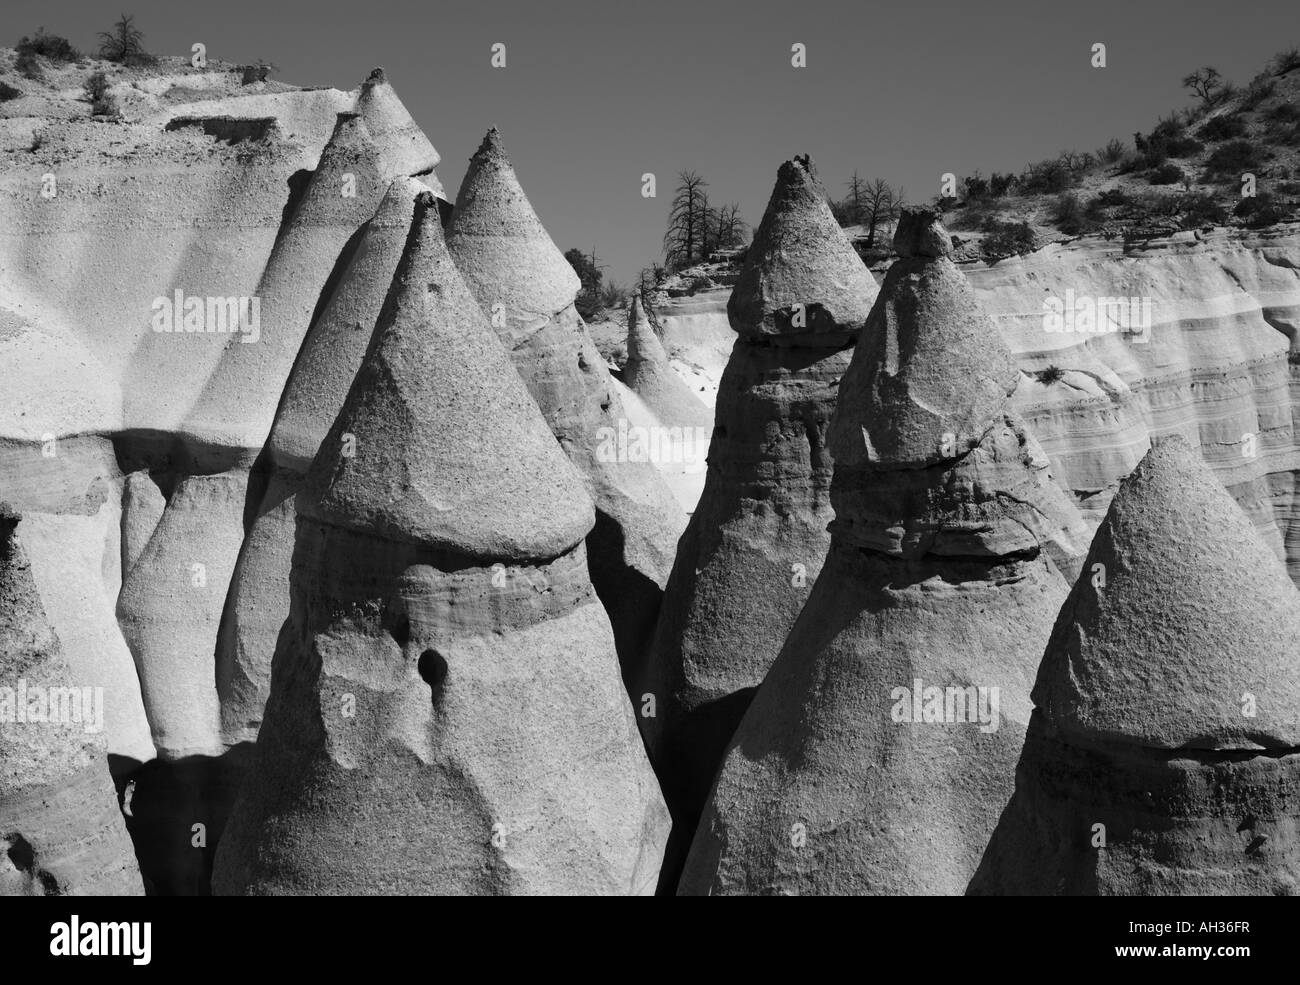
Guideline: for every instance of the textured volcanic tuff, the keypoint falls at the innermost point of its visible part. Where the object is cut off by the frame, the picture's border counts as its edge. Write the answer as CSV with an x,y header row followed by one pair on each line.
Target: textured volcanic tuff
x,y
758,535
876,755
650,375
306,251
61,832
1167,708
445,712
313,396
204,523
526,288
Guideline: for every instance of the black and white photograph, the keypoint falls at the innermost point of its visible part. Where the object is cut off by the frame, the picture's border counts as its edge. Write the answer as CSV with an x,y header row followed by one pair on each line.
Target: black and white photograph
x,y
674,448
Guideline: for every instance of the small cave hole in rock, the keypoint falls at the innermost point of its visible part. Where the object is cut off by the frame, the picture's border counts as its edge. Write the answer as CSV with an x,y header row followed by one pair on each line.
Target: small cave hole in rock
x,y
23,858
433,670
401,631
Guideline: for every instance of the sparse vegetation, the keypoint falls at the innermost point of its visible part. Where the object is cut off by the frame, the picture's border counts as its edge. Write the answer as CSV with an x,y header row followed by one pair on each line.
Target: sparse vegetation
x,y
124,44
1285,60
1260,210
50,46
1112,152
259,71
96,90
29,67
1205,83
96,86
1008,239
1261,87
1230,160
1224,127
695,228
870,203
1166,174
1284,113
589,276
614,295
1069,214
1213,142
8,92
1199,209
1050,375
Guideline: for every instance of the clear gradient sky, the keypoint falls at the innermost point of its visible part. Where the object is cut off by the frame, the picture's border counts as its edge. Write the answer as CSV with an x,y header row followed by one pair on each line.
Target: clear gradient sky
x,y
597,92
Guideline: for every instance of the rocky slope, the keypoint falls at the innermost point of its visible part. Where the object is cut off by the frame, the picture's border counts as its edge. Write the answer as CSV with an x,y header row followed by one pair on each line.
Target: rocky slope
x,y
1218,363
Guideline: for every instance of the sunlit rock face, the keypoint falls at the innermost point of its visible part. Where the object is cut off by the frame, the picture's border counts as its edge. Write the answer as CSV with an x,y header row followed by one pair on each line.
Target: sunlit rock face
x,y
879,750
61,832
1163,756
446,714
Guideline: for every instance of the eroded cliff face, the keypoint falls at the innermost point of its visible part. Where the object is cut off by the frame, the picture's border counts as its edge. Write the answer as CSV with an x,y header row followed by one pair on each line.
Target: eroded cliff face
x,y
159,272
1217,365
203,192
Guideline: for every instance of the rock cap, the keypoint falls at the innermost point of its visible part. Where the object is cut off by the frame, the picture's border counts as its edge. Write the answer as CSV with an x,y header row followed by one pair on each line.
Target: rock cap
x,y
801,278
438,442
1184,629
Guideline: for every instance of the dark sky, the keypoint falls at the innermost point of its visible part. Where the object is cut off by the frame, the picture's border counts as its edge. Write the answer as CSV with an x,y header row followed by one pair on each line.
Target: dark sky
x,y
597,92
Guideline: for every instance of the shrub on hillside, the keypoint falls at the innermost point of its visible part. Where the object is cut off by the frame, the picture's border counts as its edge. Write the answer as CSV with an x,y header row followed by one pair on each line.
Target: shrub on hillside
x,y
1047,177
1008,238
1166,174
96,90
258,72
975,186
1200,209
1001,184
95,87
1260,88
1069,214
124,44
1223,128
1285,60
1111,198
1232,159
1284,113
50,46
1097,209
1113,151
1050,375
1183,146
29,67
8,92
1260,210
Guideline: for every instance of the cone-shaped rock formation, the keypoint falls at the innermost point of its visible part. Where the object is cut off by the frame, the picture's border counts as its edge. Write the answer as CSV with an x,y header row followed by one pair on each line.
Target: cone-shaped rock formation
x,y
329,360
879,751
526,288
758,536
1164,752
233,410
445,712
650,375
404,149
61,832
